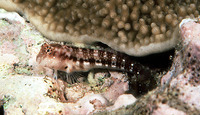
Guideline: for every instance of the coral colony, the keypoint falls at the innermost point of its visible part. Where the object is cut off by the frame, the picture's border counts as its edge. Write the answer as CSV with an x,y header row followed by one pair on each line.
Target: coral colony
x,y
136,27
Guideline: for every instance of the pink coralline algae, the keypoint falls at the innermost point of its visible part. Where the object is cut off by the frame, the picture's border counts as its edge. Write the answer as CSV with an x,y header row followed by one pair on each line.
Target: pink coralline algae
x,y
7,47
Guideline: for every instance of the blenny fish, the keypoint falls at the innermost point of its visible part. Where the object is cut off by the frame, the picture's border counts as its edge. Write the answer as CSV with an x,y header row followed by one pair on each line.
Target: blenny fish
x,y
72,59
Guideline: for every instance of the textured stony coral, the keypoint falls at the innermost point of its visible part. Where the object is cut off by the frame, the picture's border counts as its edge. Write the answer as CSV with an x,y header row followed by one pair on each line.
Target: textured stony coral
x,y
136,27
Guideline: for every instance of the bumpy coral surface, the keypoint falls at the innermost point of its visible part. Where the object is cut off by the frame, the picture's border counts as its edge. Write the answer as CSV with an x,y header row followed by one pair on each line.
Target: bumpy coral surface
x,y
136,27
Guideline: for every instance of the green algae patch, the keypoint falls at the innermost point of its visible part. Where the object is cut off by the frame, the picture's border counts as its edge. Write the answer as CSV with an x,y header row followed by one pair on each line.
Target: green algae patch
x,y
4,69
23,70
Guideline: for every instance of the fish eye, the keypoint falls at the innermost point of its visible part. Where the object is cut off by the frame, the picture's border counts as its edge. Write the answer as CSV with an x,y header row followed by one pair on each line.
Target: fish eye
x,y
48,50
66,67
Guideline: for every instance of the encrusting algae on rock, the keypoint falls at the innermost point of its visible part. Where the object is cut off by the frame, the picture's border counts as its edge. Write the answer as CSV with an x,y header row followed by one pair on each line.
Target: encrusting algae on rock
x,y
136,27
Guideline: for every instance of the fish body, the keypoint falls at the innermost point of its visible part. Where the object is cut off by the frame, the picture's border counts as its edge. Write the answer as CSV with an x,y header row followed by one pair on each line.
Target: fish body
x,y
72,59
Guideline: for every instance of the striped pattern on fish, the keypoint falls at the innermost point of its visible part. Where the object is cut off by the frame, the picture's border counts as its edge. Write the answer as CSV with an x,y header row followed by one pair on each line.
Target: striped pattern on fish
x,y
72,59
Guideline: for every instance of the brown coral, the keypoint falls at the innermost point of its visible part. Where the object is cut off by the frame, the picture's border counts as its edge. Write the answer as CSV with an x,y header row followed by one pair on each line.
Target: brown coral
x,y
136,27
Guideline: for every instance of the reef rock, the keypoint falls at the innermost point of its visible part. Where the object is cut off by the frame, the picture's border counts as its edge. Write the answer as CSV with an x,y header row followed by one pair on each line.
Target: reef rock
x,y
179,89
